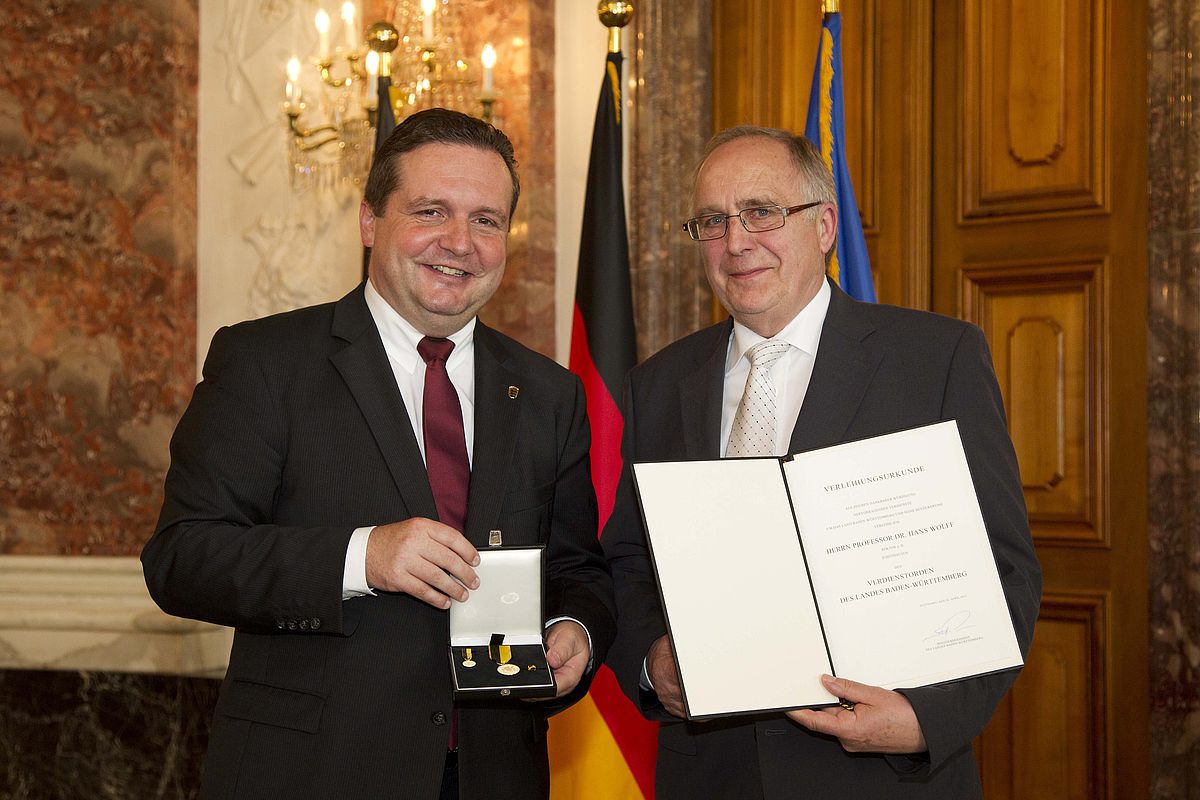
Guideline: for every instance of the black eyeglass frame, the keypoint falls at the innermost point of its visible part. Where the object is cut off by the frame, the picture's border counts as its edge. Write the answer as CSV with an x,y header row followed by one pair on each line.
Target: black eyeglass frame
x,y
692,228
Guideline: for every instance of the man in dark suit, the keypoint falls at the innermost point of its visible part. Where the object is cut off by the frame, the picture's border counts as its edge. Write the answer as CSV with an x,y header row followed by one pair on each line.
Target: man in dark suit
x,y
766,223
334,478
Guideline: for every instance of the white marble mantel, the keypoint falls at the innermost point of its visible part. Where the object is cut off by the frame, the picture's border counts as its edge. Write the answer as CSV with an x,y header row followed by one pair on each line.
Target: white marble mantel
x,y
94,613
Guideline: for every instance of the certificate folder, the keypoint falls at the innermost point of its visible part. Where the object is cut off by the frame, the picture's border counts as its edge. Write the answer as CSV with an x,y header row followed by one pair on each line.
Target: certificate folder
x,y
867,560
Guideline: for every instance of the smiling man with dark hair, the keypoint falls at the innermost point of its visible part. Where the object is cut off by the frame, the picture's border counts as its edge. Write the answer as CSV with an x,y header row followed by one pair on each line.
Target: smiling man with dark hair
x,y
333,479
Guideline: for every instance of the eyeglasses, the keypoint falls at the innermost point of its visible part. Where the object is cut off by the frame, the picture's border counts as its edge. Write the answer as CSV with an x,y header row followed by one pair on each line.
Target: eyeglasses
x,y
755,220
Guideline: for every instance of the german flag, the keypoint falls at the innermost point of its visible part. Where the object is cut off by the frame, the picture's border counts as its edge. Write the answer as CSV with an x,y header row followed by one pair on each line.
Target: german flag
x,y
602,748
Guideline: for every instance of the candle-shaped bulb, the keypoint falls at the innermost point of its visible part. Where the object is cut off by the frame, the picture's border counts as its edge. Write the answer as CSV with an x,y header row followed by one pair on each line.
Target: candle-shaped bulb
x,y
427,7
488,59
322,23
348,12
291,91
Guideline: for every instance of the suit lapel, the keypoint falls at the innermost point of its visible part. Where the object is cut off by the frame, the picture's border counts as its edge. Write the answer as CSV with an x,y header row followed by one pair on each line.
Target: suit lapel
x,y
701,394
841,374
363,365
497,417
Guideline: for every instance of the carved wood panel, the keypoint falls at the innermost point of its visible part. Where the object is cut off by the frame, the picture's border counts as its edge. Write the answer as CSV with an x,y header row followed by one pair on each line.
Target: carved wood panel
x,y
1044,322
1034,112
1047,738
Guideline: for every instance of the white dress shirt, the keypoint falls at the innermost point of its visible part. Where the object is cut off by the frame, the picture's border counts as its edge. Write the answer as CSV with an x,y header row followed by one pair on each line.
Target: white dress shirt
x,y
400,341
790,374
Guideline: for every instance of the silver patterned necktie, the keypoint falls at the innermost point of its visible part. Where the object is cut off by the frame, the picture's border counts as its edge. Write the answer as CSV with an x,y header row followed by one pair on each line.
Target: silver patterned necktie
x,y
754,425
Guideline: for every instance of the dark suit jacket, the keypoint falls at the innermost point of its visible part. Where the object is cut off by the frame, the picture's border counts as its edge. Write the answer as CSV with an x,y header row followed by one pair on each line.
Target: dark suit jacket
x,y
879,369
296,436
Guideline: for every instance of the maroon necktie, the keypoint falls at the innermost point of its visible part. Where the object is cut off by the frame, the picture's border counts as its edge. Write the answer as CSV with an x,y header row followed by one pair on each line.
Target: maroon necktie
x,y
445,450
445,445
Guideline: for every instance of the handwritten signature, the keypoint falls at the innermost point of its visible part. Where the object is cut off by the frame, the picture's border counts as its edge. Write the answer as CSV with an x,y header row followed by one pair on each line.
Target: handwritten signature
x,y
955,623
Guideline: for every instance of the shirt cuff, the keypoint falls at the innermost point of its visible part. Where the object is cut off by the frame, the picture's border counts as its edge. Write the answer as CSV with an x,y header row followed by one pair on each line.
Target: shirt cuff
x,y
586,633
644,681
354,575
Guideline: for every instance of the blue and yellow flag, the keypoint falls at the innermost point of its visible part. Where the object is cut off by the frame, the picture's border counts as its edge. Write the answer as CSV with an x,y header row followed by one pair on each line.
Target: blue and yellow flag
x,y
826,128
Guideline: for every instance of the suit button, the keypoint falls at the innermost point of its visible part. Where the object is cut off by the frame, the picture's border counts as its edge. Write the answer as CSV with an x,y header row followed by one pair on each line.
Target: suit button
x,y
303,624
281,624
315,623
438,718
291,624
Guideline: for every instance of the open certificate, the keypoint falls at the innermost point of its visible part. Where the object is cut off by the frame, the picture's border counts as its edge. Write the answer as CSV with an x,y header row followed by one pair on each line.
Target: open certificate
x,y
867,560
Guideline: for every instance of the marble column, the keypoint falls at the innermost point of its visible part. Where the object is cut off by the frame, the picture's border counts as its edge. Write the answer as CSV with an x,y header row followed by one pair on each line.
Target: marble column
x,y
671,77
1174,399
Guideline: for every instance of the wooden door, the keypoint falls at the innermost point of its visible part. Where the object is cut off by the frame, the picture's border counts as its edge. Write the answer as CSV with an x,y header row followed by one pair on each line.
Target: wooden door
x,y
1040,238
998,149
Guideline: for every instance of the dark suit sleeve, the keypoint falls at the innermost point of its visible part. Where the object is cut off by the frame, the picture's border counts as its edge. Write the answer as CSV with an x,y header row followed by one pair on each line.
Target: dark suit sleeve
x,y
952,714
638,605
216,554
578,582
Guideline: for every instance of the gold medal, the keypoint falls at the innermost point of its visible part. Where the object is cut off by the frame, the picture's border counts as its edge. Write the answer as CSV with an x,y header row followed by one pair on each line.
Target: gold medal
x,y
505,654
468,661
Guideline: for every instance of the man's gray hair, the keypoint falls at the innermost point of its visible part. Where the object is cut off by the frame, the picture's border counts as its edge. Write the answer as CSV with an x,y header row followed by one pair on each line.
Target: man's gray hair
x,y
804,155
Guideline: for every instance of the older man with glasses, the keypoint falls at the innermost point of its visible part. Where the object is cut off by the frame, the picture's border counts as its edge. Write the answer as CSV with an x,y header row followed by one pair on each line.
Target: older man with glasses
x,y
800,365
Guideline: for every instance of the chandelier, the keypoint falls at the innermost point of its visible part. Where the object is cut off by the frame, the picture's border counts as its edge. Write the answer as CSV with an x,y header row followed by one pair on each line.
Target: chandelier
x,y
410,62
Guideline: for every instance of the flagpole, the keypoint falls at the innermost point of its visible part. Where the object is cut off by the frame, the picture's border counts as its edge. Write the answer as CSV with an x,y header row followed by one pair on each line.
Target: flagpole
x,y
830,6
602,748
614,15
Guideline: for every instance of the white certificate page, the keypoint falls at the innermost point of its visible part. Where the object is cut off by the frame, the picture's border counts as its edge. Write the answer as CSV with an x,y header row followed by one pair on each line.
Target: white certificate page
x,y
735,590
900,560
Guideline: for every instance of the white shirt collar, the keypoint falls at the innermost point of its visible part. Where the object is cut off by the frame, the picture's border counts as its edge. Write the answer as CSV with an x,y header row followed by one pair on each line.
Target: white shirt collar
x,y
401,338
803,332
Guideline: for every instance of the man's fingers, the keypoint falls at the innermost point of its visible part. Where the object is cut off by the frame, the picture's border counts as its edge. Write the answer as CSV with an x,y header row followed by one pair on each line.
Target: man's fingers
x,y
849,690
565,640
660,666
882,721
419,557
454,540
567,676
822,721
437,578
425,593
448,561
450,550
674,706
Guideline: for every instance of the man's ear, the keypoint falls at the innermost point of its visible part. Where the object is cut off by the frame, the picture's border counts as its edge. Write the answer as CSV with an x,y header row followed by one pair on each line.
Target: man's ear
x,y
366,224
827,224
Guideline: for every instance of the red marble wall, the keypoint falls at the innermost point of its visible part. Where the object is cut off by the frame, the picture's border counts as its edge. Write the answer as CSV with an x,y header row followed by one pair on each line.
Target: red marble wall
x,y
98,235
97,272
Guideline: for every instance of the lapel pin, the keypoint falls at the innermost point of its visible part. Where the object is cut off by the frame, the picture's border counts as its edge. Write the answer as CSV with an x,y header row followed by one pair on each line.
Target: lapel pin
x,y
495,539
513,391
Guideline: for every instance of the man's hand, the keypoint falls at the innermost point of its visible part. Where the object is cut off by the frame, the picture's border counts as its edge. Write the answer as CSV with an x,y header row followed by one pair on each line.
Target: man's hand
x,y
417,557
567,654
661,669
882,721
